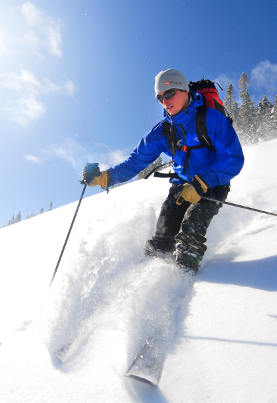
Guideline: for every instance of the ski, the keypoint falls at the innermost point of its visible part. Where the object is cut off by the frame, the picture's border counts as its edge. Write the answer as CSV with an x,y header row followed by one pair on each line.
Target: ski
x,y
148,364
63,353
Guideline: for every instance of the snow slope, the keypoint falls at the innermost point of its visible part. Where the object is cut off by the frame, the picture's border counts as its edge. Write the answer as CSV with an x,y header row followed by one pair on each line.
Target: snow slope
x,y
219,335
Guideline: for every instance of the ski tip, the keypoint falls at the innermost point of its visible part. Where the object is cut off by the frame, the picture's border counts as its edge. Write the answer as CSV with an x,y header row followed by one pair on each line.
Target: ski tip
x,y
62,354
142,379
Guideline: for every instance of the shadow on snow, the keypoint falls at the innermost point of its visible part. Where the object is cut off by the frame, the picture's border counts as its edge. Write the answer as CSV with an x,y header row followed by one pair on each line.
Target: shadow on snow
x,y
260,274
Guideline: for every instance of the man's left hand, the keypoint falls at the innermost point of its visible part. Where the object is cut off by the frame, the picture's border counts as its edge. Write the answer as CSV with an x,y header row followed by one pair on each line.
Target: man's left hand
x,y
192,191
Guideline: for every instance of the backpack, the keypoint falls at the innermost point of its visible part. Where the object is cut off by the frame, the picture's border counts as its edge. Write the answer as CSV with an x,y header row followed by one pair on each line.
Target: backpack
x,y
211,99
209,93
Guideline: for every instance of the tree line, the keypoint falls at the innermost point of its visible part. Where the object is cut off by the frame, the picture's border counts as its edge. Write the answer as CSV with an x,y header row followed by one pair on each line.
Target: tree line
x,y
252,122
18,217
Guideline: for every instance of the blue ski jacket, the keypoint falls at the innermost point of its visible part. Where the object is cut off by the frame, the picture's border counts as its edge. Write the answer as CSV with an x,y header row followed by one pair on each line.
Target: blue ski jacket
x,y
216,168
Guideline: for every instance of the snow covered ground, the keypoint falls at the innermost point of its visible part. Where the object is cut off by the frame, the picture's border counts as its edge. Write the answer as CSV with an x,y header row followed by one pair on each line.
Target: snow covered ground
x,y
219,336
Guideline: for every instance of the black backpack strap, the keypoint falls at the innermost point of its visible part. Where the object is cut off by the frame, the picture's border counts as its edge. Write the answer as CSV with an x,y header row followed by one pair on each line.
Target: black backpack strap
x,y
170,133
201,128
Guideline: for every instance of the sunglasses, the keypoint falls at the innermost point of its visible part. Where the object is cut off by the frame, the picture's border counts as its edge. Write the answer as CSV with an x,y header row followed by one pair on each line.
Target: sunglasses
x,y
167,95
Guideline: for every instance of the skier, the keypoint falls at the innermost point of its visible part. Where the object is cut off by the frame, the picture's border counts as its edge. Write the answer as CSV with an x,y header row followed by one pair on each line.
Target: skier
x,y
199,170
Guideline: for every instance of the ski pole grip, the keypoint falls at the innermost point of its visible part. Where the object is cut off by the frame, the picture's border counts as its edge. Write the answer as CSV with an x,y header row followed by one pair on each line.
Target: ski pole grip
x,y
90,171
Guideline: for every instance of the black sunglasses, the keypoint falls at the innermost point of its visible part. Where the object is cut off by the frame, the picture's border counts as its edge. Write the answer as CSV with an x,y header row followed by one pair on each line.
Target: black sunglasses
x,y
167,95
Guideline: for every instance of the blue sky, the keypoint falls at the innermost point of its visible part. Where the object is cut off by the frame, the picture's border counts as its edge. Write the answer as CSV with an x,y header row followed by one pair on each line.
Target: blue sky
x,y
76,80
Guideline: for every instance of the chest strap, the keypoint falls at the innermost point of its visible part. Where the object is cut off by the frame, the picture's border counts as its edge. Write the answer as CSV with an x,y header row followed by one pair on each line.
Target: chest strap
x,y
188,149
170,175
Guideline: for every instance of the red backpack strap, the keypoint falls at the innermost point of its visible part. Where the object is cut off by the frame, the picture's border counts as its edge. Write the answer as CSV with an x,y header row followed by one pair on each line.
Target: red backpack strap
x,y
212,100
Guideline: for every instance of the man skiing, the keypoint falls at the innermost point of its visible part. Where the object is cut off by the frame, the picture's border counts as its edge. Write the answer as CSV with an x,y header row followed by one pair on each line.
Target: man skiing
x,y
199,170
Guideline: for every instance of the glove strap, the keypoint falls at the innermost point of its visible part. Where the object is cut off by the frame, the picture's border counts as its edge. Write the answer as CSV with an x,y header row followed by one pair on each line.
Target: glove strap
x,y
199,184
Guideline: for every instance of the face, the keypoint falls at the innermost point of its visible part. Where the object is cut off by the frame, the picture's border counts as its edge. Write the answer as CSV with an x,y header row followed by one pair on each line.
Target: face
x,y
176,103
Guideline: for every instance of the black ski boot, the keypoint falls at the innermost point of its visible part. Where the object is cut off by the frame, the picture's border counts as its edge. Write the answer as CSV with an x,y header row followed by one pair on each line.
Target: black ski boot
x,y
190,249
159,247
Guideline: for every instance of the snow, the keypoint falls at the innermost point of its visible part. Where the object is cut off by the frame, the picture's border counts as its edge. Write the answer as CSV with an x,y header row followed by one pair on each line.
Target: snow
x,y
219,335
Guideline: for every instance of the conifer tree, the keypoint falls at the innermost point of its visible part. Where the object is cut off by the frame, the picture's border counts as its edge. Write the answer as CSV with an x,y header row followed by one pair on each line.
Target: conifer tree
x,y
247,120
264,130
231,105
229,99
235,113
264,108
11,220
18,217
150,167
273,118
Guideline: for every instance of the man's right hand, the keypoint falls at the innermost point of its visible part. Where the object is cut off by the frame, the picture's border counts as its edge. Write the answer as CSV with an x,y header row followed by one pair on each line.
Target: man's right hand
x,y
92,176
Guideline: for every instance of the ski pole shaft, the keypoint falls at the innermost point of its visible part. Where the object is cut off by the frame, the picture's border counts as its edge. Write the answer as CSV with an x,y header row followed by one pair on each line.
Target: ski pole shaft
x,y
239,205
68,234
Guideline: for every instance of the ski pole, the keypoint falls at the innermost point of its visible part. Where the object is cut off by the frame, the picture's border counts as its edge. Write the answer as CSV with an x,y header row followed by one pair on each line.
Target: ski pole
x,y
68,234
238,205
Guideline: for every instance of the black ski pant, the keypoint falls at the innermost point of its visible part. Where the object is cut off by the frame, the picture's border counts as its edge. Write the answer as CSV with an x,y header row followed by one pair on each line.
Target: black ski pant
x,y
187,224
